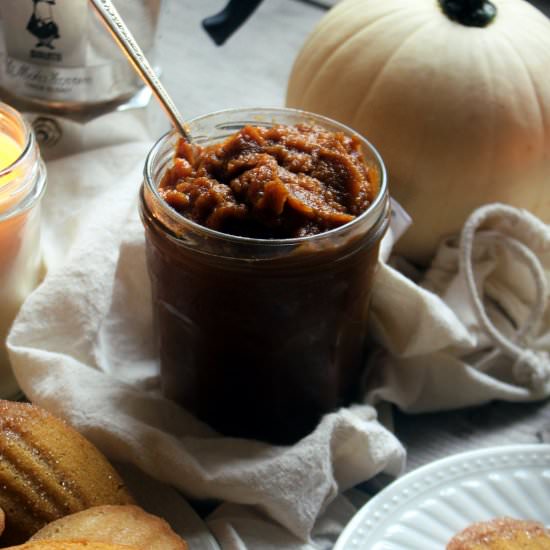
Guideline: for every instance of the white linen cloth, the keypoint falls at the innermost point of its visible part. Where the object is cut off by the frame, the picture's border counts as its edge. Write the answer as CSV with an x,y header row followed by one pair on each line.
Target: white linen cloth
x,y
82,347
476,327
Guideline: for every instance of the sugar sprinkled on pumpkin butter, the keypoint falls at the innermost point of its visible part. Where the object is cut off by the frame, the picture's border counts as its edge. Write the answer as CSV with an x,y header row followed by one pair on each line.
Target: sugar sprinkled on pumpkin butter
x,y
278,182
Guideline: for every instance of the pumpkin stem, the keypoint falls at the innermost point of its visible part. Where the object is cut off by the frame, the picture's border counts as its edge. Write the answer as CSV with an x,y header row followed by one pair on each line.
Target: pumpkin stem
x,y
471,13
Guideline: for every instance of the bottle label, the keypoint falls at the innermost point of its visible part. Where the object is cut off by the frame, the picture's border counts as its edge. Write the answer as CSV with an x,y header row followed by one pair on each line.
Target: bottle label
x,y
50,31
57,50
45,47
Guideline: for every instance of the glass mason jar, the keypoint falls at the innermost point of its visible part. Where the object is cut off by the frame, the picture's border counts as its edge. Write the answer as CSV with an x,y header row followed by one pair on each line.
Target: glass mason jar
x,y
22,185
257,337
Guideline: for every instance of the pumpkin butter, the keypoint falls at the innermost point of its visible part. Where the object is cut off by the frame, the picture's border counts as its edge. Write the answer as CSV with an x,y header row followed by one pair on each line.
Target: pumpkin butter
x,y
261,247
278,182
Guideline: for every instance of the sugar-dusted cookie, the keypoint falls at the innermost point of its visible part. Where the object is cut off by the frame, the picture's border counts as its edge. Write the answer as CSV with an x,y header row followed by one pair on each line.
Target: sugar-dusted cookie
x,y
502,534
48,470
122,524
69,545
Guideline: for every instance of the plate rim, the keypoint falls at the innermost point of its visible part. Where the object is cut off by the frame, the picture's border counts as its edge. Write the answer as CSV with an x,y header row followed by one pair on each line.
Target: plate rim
x,y
411,477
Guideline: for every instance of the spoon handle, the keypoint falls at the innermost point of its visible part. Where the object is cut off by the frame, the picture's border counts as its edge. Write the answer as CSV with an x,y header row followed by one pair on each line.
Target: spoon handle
x,y
122,35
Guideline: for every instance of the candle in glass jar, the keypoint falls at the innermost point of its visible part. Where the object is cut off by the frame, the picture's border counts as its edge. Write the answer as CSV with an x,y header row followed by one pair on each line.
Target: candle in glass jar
x,y
10,151
22,182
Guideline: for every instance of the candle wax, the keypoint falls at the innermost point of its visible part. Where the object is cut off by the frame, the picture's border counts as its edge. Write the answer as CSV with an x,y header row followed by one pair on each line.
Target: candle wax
x,y
16,278
10,151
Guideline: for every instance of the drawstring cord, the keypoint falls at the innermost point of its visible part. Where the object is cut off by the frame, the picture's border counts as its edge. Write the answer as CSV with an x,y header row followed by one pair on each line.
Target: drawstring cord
x,y
531,366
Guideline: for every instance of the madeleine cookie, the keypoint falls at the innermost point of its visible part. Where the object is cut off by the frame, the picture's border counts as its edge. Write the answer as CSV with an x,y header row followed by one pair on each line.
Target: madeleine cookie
x,y
122,524
48,470
502,534
70,545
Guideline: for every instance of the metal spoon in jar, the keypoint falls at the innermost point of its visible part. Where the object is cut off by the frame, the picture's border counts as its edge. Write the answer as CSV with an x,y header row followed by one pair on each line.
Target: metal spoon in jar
x,y
122,35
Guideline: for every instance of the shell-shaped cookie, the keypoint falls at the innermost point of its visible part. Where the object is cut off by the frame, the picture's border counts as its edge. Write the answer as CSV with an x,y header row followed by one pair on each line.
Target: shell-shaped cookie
x,y
48,470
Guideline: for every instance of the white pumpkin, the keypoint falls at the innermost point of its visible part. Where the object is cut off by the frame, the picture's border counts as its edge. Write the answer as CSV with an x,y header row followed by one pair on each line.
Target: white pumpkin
x,y
460,114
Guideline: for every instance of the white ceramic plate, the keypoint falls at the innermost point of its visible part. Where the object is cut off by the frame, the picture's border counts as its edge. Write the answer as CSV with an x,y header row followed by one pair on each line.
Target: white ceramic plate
x,y
425,508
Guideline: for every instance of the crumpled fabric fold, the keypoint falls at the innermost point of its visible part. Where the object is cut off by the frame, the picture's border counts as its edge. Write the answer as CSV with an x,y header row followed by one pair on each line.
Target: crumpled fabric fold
x,y
475,325
82,347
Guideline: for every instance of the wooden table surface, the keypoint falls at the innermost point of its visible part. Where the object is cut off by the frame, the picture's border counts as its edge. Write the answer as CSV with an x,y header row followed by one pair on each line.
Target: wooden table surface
x,y
432,436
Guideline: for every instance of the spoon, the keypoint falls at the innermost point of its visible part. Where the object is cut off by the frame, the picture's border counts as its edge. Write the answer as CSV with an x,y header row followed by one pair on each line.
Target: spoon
x,y
122,35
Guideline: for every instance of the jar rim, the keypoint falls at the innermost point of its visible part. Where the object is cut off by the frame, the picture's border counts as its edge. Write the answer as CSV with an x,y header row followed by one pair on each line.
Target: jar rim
x,y
28,183
376,209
